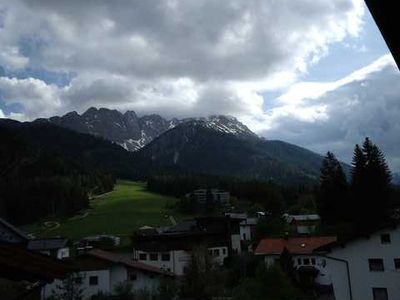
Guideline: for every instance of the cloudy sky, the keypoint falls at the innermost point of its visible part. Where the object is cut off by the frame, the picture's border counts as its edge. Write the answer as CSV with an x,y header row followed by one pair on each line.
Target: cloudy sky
x,y
316,73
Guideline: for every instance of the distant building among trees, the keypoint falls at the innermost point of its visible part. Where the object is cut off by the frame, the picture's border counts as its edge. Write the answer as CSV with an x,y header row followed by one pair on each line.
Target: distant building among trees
x,y
214,196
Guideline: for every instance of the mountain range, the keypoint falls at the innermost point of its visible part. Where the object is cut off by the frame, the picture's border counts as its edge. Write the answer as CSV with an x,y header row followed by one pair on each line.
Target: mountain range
x,y
217,145
133,132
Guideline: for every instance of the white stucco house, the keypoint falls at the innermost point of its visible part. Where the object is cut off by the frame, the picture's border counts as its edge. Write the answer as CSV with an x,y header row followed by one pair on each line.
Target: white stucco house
x,y
366,267
170,248
102,271
302,251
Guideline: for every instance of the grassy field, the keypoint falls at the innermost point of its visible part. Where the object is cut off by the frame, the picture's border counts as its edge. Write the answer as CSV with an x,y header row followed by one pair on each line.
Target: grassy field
x,y
119,212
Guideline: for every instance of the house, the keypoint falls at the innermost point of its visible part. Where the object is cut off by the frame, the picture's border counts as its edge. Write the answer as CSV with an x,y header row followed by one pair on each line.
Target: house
x,y
102,271
203,196
170,248
365,266
23,273
11,234
303,224
302,252
55,247
247,225
362,267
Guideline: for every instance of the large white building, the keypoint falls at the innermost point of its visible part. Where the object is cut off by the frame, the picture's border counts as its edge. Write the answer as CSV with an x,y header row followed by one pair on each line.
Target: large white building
x,y
102,271
366,267
170,249
363,268
202,196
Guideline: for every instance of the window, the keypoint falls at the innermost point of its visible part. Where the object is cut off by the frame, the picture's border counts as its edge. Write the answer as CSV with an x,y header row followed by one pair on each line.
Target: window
x,y
376,264
153,256
299,261
306,261
210,252
224,251
397,263
93,280
380,293
385,238
216,252
143,256
313,261
165,257
78,280
323,263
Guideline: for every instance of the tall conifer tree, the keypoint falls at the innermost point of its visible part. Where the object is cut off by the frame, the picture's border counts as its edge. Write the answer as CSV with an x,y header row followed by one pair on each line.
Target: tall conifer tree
x,y
333,193
370,186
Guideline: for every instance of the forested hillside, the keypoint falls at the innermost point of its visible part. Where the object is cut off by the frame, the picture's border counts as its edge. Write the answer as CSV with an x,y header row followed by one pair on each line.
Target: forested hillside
x,y
37,180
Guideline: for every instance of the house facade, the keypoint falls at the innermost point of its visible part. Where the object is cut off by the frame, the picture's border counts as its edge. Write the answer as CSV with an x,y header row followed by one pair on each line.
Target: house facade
x,y
366,268
303,255
362,268
170,248
202,196
304,224
102,271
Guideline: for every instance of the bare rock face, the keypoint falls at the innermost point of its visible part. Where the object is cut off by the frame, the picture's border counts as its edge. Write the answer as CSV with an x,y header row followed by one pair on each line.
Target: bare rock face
x,y
133,132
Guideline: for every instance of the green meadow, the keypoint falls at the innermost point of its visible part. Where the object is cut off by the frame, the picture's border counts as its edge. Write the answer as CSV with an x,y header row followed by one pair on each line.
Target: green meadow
x,y
120,212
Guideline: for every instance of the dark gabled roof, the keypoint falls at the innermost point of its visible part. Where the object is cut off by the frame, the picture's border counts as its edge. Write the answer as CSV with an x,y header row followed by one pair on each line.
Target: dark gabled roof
x,y
185,226
121,259
391,225
17,263
47,244
14,229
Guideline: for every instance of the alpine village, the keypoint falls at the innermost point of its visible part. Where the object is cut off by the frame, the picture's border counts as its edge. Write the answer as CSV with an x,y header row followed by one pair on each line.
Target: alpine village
x,y
144,150
106,205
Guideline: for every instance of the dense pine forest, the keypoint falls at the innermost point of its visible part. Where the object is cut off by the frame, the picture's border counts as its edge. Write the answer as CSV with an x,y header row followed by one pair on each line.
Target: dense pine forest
x,y
36,181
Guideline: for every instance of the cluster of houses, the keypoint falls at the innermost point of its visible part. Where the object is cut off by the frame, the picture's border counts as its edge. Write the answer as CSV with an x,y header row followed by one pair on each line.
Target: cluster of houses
x,y
363,267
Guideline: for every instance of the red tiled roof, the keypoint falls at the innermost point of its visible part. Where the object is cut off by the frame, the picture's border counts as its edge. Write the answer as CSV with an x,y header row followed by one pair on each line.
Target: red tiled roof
x,y
18,263
299,245
118,258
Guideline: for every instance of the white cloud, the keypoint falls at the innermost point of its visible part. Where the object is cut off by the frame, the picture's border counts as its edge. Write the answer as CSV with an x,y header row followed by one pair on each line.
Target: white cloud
x,y
336,115
2,115
173,57
37,97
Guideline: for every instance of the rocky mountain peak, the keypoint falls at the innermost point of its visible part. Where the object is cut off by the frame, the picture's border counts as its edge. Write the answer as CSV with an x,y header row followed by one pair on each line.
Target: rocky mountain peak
x,y
133,132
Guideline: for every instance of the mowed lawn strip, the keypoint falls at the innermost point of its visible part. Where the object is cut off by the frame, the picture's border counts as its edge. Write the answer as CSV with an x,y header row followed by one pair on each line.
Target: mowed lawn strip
x,y
119,212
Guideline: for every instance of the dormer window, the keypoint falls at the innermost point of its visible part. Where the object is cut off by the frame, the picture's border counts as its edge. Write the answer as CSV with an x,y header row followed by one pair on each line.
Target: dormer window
x,y
385,238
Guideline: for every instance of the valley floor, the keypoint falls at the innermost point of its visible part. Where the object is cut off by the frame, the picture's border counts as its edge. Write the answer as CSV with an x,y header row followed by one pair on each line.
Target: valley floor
x,y
119,212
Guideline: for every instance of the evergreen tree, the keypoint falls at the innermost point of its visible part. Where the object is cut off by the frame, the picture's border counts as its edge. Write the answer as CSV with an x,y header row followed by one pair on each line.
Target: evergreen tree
x,y
333,193
370,186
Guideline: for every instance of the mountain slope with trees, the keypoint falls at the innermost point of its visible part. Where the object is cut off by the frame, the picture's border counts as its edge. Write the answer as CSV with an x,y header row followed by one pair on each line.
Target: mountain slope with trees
x,y
192,147
46,170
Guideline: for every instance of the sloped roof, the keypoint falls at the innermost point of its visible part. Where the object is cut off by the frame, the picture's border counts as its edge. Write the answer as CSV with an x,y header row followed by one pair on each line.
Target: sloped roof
x,y
14,229
121,259
17,263
299,245
47,244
